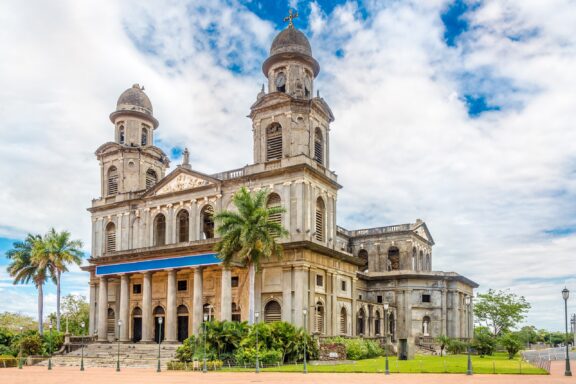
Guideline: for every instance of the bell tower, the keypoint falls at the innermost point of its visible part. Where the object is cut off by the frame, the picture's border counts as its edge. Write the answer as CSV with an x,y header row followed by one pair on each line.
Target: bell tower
x,y
131,163
289,122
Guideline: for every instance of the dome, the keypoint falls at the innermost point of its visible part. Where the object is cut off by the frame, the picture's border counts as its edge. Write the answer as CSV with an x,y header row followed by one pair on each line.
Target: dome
x,y
291,40
134,99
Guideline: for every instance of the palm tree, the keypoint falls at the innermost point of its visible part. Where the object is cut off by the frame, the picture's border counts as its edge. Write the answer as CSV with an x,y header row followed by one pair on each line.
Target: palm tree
x,y
61,252
24,268
249,235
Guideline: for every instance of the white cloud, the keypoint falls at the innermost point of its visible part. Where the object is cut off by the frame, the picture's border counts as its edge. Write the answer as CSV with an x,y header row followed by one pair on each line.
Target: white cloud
x,y
489,187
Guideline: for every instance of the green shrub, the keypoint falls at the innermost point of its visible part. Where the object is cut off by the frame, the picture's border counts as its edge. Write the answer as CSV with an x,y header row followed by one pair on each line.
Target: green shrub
x,y
359,349
6,350
57,341
185,352
456,346
265,356
211,365
8,361
30,345
511,342
484,343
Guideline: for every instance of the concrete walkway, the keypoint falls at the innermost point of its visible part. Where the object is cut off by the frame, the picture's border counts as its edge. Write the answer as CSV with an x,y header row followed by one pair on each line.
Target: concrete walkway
x,y
67,375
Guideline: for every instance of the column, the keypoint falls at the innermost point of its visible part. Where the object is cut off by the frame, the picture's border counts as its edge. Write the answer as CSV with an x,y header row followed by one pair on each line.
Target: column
x,y
287,294
124,307
335,308
226,292
353,315
311,300
192,230
92,317
197,303
147,321
300,276
444,328
171,313
103,310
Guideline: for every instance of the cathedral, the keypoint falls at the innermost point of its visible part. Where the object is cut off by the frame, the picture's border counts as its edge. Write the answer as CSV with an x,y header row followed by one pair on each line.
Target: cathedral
x,y
153,268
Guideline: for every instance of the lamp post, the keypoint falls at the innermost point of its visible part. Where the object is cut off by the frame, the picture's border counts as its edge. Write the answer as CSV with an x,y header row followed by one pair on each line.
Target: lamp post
x,y
256,316
118,354
20,359
468,301
82,324
205,368
160,320
386,306
565,295
50,355
305,312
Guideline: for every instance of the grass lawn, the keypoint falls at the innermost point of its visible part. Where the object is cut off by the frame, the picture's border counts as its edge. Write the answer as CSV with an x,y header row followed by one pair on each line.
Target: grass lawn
x,y
499,364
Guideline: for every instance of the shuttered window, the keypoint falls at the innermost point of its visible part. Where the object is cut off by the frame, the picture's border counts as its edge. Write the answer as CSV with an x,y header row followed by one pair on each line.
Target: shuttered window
x,y
160,230
144,139
183,220
320,219
110,238
343,321
112,181
318,147
274,201
151,178
319,317
272,312
274,142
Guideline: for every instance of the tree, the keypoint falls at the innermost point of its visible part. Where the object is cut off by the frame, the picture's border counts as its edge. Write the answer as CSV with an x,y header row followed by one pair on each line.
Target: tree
x,y
61,252
484,342
512,343
500,310
528,335
76,310
13,321
25,267
249,235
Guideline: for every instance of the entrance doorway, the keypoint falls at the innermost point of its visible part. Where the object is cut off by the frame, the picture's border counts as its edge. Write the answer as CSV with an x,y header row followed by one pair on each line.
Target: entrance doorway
x,y
403,350
182,323
159,332
136,325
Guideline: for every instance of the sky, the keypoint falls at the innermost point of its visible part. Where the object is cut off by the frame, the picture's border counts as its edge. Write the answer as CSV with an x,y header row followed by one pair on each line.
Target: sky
x,y
458,112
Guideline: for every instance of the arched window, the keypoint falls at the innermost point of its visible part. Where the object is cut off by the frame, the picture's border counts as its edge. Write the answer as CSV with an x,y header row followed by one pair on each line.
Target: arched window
x,y
426,326
112,180
392,327
208,311
144,140
343,321
183,222
360,322
207,220
318,147
319,323
121,134
414,261
110,245
274,142
280,82
160,229
377,323
393,259
236,314
320,219
151,178
421,261
274,201
363,255
272,312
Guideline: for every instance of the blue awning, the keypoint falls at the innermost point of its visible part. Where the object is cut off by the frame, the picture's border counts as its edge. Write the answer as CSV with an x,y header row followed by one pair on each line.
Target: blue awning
x,y
158,264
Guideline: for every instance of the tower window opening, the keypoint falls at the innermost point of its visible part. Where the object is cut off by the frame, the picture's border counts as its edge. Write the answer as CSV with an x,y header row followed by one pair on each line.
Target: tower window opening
x,y
274,142
160,230
110,238
320,219
112,181
274,202
207,215
151,178
280,82
144,139
121,134
318,147
183,220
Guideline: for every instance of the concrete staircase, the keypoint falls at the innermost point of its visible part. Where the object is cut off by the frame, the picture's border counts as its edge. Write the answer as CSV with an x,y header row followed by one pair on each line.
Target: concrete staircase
x,y
106,355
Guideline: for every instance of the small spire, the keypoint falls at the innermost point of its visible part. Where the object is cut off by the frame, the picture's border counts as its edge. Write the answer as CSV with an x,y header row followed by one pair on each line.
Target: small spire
x,y
318,93
291,16
261,93
186,159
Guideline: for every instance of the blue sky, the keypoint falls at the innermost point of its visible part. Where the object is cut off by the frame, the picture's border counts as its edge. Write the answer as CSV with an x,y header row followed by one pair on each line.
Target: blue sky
x,y
461,113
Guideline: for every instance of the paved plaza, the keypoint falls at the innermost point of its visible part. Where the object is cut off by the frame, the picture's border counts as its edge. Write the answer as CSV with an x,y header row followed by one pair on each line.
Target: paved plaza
x,y
35,375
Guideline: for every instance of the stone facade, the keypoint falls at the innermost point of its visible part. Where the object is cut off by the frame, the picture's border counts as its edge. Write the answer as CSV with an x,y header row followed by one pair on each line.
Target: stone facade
x,y
153,234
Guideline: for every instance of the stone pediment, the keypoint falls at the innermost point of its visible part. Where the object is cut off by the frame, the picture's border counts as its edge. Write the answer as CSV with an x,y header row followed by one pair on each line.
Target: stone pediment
x,y
181,180
422,230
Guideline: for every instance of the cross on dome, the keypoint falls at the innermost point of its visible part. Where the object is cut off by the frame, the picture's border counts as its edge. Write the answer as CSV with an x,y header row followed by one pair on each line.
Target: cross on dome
x,y
291,16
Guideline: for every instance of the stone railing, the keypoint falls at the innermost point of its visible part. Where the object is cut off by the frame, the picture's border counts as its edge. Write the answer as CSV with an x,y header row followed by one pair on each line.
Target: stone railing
x,y
375,231
228,175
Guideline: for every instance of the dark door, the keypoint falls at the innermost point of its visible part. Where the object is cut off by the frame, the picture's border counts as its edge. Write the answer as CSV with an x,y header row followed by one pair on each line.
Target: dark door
x,y
403,351
158,329
182,328
137,329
